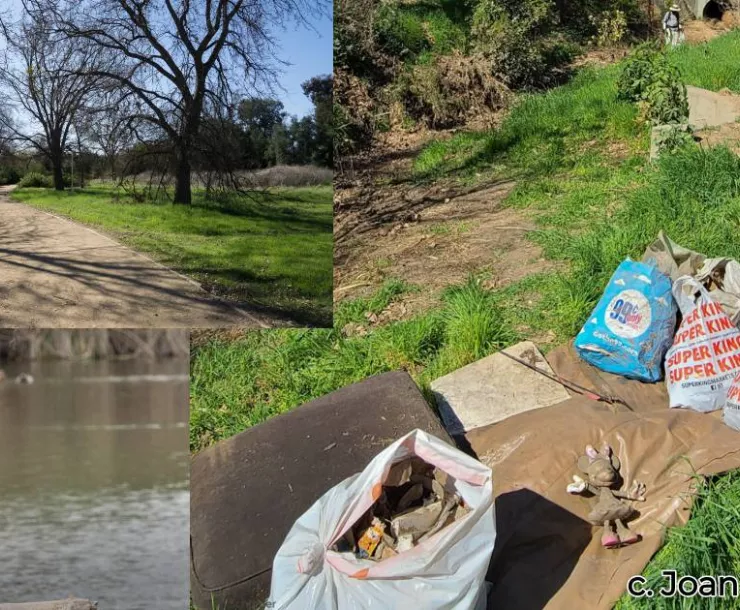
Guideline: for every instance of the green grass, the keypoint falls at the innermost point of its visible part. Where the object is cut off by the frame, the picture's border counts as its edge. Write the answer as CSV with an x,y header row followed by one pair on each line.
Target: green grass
x,y
694,196
544,134
237,384
416,31
541,136
713,65
270,252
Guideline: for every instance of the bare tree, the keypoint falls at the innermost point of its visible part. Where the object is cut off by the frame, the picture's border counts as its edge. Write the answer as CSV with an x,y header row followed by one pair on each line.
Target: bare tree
x,y
5,134
47,78
105,124
180,57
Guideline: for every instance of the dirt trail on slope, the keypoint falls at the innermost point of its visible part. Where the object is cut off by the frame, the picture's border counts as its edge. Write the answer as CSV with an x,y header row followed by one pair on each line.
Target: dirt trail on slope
x,y
55,273
431,235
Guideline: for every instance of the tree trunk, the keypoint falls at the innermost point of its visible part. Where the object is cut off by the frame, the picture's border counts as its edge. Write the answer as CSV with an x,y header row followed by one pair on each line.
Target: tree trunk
x,y
57,161
56,156
183,193
58,175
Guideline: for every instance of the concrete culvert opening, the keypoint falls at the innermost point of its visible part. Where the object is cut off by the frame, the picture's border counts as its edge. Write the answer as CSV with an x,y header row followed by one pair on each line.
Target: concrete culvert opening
x,y
713,10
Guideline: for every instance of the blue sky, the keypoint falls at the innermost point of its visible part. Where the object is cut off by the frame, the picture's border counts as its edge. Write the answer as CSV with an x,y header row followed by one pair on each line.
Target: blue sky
x,y
309,51
311,55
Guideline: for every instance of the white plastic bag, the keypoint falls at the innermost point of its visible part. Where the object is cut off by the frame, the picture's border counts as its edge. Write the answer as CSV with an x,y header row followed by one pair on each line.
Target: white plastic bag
x,y
705,356
731,413
444,572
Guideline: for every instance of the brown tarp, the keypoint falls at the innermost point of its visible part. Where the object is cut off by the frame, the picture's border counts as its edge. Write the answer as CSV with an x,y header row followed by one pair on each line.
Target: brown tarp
x,y
246,492
547,555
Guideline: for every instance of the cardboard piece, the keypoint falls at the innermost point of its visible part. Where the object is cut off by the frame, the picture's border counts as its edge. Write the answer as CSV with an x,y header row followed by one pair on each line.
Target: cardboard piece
x,y
494,388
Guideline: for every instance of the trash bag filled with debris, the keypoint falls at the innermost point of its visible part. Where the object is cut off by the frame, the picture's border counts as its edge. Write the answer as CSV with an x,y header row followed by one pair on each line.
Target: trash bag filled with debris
x,y
705,355
417,523
416,501
631,327
731,412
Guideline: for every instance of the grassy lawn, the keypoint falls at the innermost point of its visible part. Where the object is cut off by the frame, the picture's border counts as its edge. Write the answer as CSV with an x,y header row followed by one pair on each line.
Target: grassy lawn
x,y
269,252
580,158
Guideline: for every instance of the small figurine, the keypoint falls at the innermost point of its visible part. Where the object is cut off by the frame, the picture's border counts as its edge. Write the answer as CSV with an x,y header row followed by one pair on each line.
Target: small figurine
x,y
602,477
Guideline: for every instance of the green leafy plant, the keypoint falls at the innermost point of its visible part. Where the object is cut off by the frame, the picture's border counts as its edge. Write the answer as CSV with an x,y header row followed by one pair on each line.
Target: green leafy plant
x,y
666,96
637,72
36,180
399,31
677,140
654,82
611,28
510,34
9,175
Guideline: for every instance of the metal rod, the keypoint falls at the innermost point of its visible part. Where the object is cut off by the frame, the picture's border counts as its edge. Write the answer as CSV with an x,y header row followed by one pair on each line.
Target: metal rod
x,y
571,385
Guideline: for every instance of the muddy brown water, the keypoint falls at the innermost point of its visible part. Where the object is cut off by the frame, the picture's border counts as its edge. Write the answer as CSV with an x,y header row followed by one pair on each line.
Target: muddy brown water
x,y
94,498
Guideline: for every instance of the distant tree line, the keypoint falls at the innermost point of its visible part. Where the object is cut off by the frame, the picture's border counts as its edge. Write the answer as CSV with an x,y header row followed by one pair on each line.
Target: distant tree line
x,y
259,134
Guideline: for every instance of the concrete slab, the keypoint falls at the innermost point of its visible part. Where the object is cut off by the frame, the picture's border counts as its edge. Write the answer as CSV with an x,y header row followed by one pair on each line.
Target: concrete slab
x,y
710,109
494,388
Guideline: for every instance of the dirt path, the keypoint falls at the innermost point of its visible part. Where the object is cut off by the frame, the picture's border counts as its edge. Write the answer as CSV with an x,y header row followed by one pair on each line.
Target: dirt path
x,y
56,273
430,235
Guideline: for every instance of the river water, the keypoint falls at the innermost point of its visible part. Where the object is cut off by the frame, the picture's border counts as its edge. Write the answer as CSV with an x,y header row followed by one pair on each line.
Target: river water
x,y
94,497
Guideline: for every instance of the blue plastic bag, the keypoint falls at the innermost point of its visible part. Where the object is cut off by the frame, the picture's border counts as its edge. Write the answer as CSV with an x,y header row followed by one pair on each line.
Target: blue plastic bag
x,y
632,326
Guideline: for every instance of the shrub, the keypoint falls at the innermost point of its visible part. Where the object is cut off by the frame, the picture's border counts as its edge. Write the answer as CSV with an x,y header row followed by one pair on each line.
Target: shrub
x,y
9,175
513,36
353,112
400,32
650,79
444,34
353,34
676,139
36,180
445,92
291,175
637,73
666,96
611,28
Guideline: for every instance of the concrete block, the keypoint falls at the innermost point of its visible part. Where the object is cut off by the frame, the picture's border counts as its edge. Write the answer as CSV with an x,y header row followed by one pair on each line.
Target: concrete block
x,y
494,388
711,109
